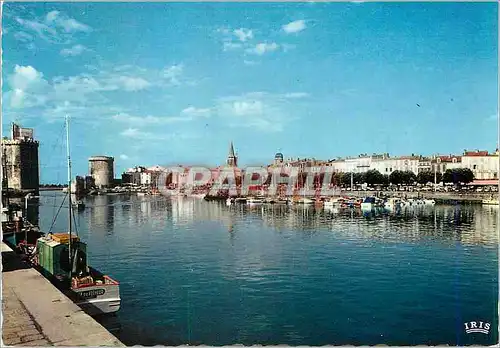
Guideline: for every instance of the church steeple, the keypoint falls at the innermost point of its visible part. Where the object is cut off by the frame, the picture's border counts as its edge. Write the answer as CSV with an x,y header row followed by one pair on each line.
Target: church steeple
x,y
232,160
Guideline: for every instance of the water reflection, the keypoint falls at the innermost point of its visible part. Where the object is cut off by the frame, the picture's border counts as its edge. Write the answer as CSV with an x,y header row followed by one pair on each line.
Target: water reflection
x,y
196,271
467,224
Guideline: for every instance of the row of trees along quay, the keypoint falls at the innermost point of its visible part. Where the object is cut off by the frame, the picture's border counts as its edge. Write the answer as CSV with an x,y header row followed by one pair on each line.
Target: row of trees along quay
x,y
459,176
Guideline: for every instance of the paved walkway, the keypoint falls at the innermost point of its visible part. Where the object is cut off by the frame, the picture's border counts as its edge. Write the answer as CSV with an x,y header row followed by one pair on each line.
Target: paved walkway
x,y
19,328
35,313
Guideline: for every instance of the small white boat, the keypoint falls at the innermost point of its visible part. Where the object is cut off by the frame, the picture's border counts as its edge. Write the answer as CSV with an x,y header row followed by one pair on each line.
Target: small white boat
x,y
429,202
305,201
405,203
491,201
368,203
332,209
392,204
253,200
229,201
333,202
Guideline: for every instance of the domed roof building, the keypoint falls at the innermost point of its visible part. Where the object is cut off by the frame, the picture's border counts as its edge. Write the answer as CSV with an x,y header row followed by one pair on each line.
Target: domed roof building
x,y
278,158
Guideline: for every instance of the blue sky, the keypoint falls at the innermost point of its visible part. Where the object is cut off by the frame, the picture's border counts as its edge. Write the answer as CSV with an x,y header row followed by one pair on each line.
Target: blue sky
x,y
169,83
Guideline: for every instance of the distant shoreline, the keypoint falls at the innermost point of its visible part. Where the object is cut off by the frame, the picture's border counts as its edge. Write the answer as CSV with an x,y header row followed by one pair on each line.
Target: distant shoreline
x,y
51,188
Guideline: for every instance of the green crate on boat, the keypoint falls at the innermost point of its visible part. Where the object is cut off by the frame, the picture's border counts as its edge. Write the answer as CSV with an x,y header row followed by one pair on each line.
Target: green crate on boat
x,y
53,256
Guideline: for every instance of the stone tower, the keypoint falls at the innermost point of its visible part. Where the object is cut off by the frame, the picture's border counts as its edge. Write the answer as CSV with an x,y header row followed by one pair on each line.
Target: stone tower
x,y
232,160
101,170
20,160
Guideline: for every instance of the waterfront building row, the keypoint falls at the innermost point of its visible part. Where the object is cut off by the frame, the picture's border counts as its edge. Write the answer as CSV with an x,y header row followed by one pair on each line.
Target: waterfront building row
x,y
484,165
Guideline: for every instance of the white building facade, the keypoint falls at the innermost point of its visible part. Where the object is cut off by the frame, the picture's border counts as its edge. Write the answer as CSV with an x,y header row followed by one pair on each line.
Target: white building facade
x,y
482,164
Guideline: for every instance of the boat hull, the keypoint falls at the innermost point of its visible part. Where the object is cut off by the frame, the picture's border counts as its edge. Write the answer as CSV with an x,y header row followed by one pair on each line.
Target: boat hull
x,y
98,299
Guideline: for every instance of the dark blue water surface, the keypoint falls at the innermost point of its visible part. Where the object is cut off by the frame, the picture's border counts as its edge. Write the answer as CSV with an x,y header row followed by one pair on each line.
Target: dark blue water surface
x,y
196,272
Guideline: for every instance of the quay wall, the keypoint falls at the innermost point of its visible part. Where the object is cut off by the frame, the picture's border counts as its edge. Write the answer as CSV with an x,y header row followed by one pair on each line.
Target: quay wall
x,y
35,312
439,197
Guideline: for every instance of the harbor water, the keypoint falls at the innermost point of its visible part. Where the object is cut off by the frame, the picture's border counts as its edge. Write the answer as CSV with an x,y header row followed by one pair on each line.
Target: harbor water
x,y
196,272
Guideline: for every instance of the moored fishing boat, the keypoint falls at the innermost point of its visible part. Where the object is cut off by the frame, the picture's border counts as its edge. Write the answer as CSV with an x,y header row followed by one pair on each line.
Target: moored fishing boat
x,y
94,292
62,258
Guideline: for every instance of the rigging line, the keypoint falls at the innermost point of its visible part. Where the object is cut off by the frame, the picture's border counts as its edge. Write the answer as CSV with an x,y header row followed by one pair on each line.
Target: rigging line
x,y
55,217
74,221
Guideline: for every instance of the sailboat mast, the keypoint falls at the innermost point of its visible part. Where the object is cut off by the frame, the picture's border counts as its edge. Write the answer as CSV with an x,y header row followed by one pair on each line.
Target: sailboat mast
x,y
69,197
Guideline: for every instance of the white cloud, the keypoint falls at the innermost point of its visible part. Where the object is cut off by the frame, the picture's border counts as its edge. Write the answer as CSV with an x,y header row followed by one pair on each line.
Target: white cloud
x,y
188,114
148,120
124,157
242,40
243,34
197,112
132,133
287,47
27,87
250,62
243,108
263,111
172,73
54,27
77,88
73,51
296,95
42,30
124,117
133,83
17,98
294,27
25,77
229,46
64,22
72,25
23,37
254,110
262,48
139,135
51,16
91,112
